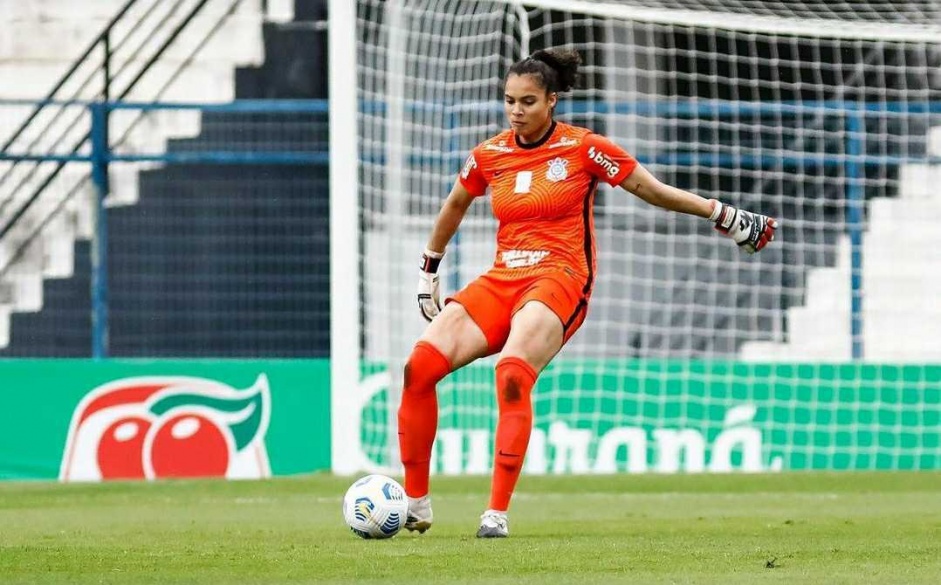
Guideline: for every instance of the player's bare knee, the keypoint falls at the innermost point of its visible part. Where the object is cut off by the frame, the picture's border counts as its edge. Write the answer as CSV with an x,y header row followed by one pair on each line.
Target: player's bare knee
x,y
536,335
457,336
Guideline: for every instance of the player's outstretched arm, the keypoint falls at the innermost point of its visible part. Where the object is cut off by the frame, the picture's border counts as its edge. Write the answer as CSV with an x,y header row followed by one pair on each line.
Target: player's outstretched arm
x,y
751,231
449,219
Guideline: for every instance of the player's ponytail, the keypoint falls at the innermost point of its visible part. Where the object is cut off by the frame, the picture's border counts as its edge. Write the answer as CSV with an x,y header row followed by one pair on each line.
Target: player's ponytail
x,y
564,62
555,69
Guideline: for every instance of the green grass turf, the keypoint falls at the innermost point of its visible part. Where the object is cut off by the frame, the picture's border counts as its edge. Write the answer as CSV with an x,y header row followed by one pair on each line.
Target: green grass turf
x,y
789,528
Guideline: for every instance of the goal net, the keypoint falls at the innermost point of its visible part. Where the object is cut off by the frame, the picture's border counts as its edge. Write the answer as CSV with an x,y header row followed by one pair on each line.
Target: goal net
x,y
821,352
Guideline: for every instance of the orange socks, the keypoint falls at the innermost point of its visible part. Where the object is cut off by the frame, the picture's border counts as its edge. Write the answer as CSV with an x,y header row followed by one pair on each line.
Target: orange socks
x,y
418,414
418,420
515,380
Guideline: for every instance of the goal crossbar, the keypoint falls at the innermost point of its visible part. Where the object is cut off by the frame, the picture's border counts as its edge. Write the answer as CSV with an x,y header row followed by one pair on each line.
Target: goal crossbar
x,y
758,24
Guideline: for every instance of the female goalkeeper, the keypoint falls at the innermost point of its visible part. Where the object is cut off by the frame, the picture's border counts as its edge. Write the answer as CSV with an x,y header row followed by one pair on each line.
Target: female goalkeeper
x,y
542,175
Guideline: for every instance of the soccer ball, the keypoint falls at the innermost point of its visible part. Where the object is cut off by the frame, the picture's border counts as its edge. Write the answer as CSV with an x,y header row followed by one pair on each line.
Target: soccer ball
x,y
375,506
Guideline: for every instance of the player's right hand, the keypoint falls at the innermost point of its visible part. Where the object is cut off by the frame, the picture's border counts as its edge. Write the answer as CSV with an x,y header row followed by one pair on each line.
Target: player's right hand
x,y
429,290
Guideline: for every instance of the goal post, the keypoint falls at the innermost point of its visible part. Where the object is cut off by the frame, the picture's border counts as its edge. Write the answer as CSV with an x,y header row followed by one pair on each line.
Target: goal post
x,y
345,324
818,353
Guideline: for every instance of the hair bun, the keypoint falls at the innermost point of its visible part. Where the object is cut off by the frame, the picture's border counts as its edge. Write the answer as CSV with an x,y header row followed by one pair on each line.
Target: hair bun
x,y
547,58
556,69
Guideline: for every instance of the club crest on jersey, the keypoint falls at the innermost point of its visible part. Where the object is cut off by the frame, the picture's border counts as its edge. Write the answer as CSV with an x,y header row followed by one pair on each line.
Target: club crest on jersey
x,y
557,170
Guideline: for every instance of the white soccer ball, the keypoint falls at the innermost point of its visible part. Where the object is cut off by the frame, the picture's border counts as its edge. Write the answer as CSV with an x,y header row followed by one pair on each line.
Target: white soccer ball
x,y
375,506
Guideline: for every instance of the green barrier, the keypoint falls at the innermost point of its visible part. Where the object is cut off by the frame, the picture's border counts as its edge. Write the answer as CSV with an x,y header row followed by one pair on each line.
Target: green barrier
x,y
84,420
606,416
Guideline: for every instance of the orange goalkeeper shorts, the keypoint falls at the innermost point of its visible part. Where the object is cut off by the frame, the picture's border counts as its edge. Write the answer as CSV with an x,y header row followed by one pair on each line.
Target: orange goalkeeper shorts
x,y
492,301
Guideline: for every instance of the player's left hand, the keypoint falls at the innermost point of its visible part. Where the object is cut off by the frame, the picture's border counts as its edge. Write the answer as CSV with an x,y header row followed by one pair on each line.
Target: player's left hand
x,y
751,231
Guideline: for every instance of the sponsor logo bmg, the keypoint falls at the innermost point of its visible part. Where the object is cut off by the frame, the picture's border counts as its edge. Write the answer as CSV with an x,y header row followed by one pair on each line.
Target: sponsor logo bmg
x,y
602,160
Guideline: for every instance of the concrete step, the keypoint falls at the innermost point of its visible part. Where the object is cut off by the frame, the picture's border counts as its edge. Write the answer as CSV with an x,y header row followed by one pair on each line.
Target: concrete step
x,y
906,280
887,349
65,36
82,206
54,130
901,310
917,247
201,82
146,132
51,253
934,141
11,116
22,292
5,311
808,325
104,10
914,330
15,191
279,10
876,301
900,348
922,232
904,301
909,214
20,255
58,250
880,251
125,187
40,10
823,321
767,351
920,181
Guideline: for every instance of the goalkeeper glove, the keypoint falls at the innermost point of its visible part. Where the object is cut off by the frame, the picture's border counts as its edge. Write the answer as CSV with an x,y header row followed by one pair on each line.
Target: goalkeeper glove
x,y
429,292
751,231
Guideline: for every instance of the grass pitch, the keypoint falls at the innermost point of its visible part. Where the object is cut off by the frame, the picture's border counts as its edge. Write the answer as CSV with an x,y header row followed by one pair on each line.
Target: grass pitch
x,y
789,528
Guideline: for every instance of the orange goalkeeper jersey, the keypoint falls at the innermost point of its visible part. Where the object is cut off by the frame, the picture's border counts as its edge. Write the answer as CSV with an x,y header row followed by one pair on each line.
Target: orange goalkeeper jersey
x,y
542,194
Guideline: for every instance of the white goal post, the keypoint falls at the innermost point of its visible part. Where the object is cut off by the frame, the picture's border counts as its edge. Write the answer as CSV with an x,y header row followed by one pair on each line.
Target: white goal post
x,y
819,353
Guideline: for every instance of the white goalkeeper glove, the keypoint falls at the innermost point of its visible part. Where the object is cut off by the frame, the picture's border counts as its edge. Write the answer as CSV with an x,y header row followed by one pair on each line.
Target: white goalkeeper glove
x,y
751,231
429,292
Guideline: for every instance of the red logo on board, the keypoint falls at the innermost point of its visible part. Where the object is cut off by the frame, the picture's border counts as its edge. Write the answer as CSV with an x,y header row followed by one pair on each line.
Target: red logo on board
x,y
162,427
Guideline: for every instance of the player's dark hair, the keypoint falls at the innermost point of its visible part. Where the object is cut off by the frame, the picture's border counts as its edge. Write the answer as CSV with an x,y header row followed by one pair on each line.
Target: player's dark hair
x,y
553,69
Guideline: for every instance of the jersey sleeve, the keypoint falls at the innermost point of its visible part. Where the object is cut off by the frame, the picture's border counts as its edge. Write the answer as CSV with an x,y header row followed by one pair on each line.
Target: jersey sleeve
x,y
471,176
606,160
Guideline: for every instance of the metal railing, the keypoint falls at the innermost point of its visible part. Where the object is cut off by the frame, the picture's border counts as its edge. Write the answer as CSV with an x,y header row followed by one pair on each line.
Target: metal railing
x,y
102,154
116,61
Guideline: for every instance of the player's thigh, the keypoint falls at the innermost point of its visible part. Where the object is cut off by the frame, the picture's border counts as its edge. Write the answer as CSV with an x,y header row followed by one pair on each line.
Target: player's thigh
x,y
456,336
536,335
489,303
